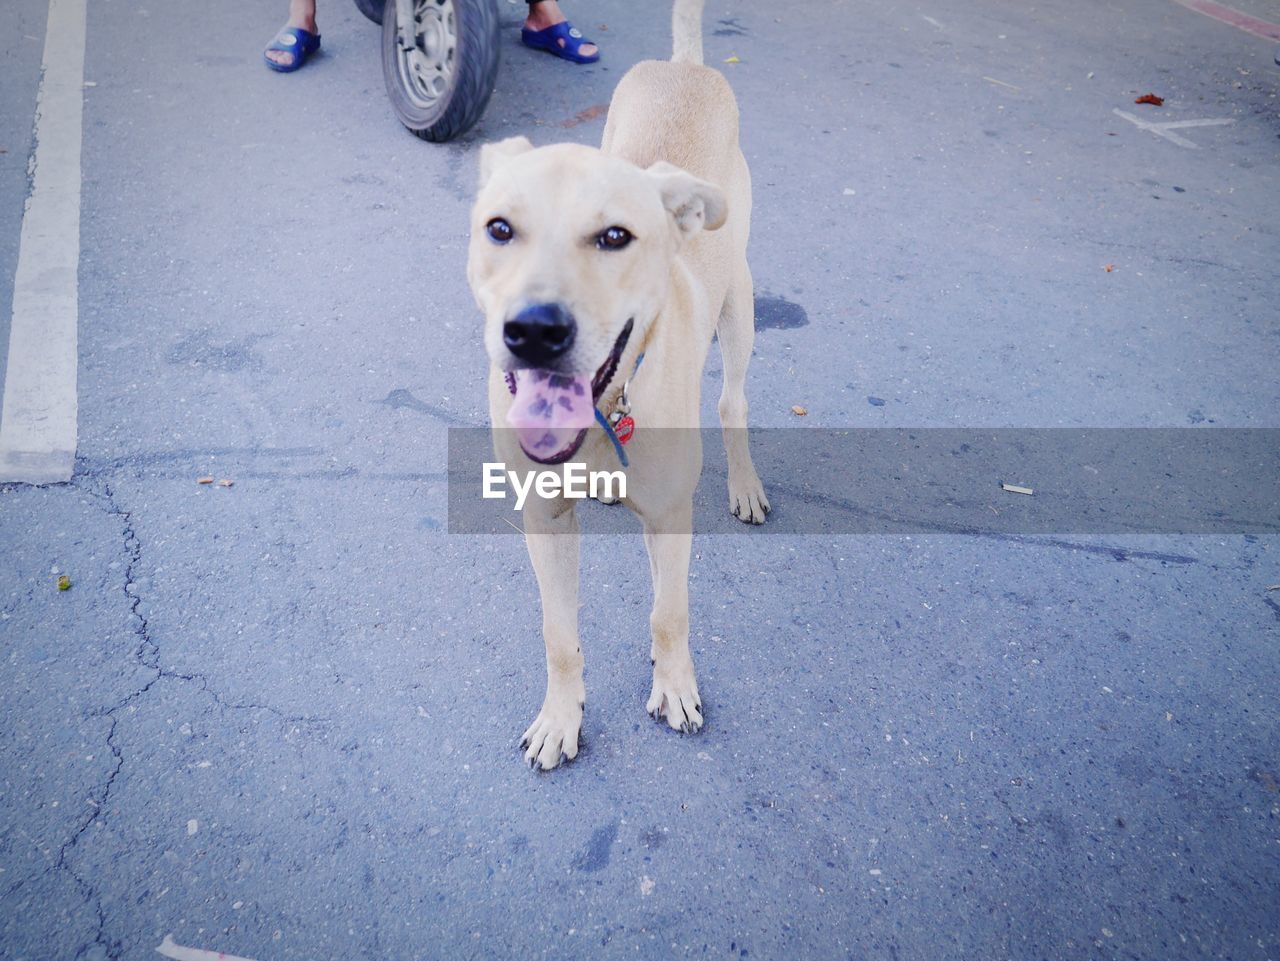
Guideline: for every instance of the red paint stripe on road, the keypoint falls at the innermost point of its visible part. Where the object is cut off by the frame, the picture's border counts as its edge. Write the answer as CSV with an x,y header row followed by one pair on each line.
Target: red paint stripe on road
x,y
1237,18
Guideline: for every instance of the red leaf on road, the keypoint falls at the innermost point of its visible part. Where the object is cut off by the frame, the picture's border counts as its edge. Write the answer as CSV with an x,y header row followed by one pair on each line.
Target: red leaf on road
x,y
582,116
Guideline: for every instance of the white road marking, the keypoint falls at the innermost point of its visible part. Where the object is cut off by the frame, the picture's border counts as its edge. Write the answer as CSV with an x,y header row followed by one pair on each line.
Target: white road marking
x,y
1166,129
38,416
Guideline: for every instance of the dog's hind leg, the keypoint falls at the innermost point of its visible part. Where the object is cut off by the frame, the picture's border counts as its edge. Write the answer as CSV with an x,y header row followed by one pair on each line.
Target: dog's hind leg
x,y
736,332
552,540
675,686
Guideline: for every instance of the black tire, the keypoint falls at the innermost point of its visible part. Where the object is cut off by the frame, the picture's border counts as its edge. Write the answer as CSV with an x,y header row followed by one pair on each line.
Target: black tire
x,y
463,91
372,9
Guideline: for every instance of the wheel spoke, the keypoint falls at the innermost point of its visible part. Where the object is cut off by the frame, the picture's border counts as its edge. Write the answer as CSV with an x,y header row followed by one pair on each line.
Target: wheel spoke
x,y
427,69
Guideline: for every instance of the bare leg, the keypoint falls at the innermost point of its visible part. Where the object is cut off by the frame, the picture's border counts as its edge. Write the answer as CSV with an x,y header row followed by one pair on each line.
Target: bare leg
x,y
302,14
675,687
553,548
736,332
547,13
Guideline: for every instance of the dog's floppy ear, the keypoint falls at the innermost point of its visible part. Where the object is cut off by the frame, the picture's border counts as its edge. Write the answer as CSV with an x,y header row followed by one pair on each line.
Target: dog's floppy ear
x,y
695,204
494,155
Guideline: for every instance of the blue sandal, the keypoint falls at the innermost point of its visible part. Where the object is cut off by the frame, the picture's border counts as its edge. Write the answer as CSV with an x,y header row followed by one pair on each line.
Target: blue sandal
x,y
294,40
549,40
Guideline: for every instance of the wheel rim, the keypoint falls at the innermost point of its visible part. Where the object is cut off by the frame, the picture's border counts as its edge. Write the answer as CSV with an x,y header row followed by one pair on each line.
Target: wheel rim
x,y
426,70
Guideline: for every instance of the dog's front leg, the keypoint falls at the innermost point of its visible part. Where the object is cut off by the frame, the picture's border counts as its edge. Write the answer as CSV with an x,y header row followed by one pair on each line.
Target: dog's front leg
x,y
675,687
551,533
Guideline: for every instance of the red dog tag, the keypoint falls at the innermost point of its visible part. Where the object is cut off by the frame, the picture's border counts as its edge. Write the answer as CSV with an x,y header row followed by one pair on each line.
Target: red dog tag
x,y
624,428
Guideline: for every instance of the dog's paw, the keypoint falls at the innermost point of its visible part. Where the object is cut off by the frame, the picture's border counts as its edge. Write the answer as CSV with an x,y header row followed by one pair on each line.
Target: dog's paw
x,y
746,498
554,735
608,501
675,697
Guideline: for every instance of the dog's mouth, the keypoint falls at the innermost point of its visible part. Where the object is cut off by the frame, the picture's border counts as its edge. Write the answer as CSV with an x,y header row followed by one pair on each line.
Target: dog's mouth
x,y
552,412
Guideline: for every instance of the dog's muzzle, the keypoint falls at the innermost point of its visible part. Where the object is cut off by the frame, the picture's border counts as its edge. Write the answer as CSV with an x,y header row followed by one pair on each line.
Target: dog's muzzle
x,y
552,412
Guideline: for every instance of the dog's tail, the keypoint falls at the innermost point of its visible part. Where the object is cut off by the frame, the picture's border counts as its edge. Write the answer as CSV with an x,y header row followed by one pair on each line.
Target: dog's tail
x,y
686,31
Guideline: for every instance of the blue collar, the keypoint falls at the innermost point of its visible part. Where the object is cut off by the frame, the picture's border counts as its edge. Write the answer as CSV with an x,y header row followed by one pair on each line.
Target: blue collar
x,y
613,436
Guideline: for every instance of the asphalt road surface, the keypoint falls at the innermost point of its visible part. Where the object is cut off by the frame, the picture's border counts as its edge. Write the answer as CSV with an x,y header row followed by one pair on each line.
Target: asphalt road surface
x,y
279,719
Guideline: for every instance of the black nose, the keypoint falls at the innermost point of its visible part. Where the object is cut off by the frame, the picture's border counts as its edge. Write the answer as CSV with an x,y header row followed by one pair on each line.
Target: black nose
x,y
540,333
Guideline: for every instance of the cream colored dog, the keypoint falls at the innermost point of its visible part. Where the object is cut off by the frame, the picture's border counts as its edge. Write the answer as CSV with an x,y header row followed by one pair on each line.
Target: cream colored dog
x,y
583,261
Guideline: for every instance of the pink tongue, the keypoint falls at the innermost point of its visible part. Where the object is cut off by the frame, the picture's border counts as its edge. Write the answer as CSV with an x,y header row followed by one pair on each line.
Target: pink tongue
x,y
550,409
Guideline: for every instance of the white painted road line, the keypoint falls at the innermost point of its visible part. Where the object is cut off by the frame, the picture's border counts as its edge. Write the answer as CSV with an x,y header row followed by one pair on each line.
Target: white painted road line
x,y
1166,129
38,417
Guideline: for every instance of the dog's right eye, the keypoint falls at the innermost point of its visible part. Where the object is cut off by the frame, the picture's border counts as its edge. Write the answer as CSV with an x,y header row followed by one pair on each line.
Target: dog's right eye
x,y
499,231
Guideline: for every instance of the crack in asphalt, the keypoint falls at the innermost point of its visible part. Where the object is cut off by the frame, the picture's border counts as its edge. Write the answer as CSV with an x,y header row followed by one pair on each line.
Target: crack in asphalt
x,y
181,463
98,467
147,654
112,949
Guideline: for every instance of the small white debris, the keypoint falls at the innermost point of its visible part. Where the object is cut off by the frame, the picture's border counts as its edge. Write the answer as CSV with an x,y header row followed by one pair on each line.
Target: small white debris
x,y
236,906
875,872
180,953
1015,489
1107,690
850,192
647,884
204,764
192,827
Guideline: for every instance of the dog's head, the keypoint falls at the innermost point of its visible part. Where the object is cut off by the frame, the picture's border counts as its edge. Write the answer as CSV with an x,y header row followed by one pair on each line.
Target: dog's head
x,y
570,260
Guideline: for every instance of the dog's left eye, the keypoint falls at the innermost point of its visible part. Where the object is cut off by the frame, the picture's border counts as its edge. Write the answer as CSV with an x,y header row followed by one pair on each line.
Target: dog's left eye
x,y
613,238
